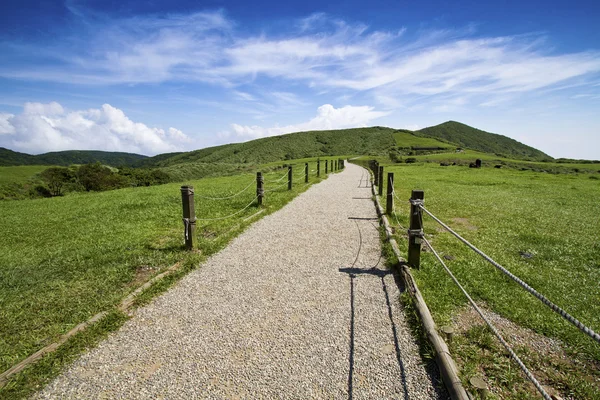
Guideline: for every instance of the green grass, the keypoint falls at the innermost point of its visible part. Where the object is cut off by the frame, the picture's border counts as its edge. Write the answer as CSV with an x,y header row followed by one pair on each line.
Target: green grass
x,y
469,156
20,174
65,259
506,213
15,182
466,136
408,140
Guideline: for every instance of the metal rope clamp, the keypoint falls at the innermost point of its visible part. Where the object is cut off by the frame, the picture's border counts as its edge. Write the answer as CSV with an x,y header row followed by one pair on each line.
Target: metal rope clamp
x,y
417,234
186,224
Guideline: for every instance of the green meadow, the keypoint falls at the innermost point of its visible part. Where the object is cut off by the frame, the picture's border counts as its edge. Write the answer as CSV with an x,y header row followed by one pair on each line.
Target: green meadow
x,y
64,259
542,227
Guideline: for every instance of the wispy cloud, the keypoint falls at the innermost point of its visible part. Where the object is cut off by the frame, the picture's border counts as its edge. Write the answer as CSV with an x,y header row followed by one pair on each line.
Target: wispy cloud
x,y
319,53
49,127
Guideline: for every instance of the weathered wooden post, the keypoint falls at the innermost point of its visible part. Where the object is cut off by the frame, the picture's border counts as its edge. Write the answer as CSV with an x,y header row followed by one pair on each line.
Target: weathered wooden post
x,y
376,172
305,172
318,168
326,162
415,231
290,177
189,215
389,203
380,181
260,191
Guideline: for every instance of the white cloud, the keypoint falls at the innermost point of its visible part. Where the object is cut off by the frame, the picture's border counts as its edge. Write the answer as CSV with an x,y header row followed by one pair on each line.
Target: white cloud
x,y
6,127
328,117
49,127
49,109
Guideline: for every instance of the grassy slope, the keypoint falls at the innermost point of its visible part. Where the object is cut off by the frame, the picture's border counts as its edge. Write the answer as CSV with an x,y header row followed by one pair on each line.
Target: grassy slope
x,y
87,251
19,174
469,156
476,139
65,158
407,139
504,213
15,182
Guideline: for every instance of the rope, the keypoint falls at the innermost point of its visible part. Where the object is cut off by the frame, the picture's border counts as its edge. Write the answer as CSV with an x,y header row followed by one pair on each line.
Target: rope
x,y
229,197
492,327
524,285
277,187
228,216
278,180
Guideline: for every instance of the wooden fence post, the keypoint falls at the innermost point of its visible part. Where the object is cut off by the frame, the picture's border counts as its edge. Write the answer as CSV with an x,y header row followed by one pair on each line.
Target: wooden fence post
x,y
318,168
415,232
260,191
375,172
389,203
326,162
290,177
189,215
380,181
305,172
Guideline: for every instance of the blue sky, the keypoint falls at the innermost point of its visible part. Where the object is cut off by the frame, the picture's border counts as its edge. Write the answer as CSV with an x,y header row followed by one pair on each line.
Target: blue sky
x,y
161,76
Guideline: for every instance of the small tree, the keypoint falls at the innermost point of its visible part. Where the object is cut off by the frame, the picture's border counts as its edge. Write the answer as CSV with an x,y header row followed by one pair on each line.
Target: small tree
x,y
56,178
93,176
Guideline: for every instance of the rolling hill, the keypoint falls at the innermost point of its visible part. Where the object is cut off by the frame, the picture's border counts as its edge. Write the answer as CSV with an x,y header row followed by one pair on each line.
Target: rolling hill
x,y
476,139
65,158
360,141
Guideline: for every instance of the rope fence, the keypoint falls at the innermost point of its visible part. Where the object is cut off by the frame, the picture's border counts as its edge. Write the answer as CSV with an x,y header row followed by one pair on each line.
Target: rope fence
x,y
529,375
230,215
229,197
301,176
416,237
519,281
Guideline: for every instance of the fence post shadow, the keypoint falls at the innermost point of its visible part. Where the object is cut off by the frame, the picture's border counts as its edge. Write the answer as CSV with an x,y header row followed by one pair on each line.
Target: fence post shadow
x,y
353,273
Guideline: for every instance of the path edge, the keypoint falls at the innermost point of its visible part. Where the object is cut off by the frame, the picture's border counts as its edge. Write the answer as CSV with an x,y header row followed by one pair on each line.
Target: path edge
x,y
443,359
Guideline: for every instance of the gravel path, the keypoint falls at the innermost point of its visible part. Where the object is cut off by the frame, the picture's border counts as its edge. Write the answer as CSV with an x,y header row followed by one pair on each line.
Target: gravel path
x,y
298,306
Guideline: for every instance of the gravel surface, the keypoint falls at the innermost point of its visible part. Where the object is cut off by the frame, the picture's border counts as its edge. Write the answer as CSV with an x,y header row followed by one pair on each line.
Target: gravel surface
x,y
298,306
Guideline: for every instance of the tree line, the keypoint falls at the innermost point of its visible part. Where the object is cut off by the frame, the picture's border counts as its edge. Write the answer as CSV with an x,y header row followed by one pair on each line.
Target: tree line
x,y
95,177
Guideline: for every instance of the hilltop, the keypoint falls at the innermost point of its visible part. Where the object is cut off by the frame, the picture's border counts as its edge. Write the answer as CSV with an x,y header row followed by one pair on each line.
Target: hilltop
x,y
476,139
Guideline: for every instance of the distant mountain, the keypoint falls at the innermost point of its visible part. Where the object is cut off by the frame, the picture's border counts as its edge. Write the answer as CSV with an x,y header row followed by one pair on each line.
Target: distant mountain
x,y
9,157
476,139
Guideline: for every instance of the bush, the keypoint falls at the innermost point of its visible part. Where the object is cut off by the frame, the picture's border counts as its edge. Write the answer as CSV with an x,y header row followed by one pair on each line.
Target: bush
x,y
39,191
97,177
56,178
410,160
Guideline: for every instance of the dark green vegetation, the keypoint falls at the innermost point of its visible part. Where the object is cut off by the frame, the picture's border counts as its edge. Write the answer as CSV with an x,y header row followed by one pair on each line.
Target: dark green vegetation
x,y
543,228
475,139
29,182
66,158
86,252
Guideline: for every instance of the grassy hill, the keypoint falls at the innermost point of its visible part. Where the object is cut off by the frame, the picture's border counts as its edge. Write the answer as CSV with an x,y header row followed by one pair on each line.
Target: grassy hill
x,y
376,141
370,141
65,158
476,139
